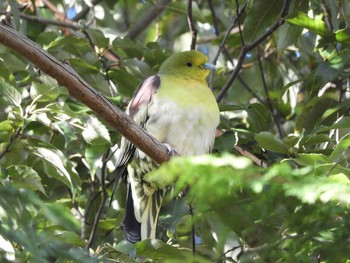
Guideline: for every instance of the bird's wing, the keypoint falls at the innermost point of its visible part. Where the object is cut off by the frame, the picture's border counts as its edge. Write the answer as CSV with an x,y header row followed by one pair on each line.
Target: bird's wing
x,y
137,110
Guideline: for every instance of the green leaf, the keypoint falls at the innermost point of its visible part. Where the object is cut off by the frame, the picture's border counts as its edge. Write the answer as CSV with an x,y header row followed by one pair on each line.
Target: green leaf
x,y
45,38
131,48
303,20
65,47
61,215
54,158
226,141
10,92
185,171
126,248
6,74
331,69
157,249
172,213
6,126
291,140
287,36
98,38
259,117
94,154
95,133
181,8
269,142
47,90
311,189
16,118
343,35
56,164
70,238
25,177
306,159
314,139
67,131
83,67
15,64
260,16
340,148
343,123
126,82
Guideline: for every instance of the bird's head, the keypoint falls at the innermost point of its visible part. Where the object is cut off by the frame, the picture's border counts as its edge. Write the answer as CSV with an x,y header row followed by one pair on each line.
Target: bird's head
x,y
191,64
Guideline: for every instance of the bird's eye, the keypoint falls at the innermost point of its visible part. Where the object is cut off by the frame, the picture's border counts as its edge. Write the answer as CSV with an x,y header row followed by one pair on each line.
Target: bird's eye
x,y
189,64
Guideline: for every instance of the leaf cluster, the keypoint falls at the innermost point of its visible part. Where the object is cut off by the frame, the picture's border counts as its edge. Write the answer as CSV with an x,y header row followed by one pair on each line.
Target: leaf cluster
x,y
275,189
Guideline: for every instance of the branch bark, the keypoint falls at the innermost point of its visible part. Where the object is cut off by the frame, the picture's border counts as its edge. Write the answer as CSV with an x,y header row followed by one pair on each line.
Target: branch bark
x,y
82,91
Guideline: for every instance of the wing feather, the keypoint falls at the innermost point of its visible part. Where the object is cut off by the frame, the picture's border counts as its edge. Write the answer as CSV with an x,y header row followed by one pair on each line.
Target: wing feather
x,y
138,111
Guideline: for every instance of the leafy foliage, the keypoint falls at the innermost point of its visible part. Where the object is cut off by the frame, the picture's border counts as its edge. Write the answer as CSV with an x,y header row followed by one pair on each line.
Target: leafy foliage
x,y
276,188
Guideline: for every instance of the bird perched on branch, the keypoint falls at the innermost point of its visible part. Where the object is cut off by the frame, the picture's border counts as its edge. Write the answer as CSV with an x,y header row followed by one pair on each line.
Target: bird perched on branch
x,y
177,107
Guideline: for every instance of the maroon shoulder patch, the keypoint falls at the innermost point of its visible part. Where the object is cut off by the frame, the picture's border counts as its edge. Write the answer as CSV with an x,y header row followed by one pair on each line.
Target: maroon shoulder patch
x,y
143,94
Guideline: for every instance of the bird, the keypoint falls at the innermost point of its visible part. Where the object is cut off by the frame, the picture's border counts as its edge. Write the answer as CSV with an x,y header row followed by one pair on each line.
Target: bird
x,y
176,107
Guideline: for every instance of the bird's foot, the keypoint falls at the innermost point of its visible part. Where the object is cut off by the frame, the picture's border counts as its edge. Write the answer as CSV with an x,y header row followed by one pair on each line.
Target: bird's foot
x,y
171,150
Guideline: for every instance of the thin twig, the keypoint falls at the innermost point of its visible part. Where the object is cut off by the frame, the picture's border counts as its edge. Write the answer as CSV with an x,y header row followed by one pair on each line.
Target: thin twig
x,y
275,117
102,204
12,140
222,48
193,230
85,10
239,23
60,15
215,20
250,90
248,47
223,42
223,255
191,25
125,11
94,197
80,215
251,156
45,21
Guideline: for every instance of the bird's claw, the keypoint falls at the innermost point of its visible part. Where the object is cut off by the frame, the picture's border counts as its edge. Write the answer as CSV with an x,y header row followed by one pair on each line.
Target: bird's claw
x,y
171,150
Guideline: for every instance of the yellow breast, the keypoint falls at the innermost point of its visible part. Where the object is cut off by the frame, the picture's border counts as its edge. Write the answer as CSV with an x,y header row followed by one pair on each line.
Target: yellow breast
x,y
184,113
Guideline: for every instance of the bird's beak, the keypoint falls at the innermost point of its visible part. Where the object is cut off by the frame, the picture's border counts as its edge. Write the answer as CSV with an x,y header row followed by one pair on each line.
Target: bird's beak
x,y
209,66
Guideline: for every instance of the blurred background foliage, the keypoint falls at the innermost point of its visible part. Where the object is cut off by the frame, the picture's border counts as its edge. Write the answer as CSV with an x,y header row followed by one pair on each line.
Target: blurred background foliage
x,y
277,187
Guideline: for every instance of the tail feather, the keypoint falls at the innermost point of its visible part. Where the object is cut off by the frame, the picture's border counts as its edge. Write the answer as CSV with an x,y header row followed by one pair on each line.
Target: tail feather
x,y
149,217
131,227
142,210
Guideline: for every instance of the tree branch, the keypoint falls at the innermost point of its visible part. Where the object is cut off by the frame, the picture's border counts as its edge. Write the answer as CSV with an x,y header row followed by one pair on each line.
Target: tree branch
x,y
191,25
67,23
83,92
248,47
102,204
151,14
274,114
223,49
239,23
85,10
13,137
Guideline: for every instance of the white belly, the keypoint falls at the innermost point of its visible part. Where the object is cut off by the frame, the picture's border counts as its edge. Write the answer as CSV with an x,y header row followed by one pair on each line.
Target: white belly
x,y
190,132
